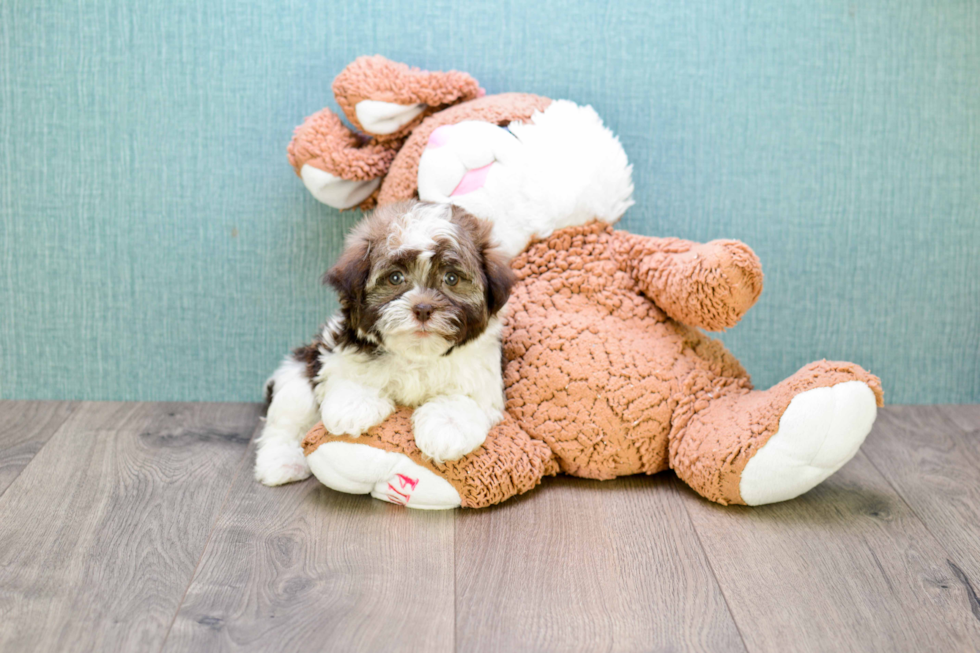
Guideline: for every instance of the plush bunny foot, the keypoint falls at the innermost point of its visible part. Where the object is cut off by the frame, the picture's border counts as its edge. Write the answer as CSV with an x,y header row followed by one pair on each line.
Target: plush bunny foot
x,y
387,464
820,431
761,447
385,475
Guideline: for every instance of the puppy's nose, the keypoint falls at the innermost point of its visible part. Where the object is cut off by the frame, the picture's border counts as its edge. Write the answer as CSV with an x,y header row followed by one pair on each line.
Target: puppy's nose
x,y
422,312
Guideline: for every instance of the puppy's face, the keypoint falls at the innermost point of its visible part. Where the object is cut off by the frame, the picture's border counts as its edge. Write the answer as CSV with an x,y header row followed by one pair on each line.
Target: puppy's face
x,y
419,279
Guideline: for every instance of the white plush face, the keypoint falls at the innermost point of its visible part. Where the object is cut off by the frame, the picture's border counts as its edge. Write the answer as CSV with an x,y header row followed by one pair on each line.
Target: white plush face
x,y
561,169
420,279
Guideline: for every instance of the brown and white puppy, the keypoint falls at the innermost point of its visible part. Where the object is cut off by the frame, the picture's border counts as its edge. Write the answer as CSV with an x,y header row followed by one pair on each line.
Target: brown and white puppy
x,y
420,289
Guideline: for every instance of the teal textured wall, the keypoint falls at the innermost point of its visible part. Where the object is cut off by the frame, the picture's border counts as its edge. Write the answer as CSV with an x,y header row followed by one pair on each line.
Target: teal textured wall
x,y
156,245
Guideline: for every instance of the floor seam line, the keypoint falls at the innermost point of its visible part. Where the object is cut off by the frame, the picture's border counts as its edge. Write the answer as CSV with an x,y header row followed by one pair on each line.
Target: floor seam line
x,y
73,406
224,502
711,567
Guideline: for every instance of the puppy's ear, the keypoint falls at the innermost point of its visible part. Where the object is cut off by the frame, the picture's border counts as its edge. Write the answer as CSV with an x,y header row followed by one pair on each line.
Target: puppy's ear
x,y
500,278
493,262
349,277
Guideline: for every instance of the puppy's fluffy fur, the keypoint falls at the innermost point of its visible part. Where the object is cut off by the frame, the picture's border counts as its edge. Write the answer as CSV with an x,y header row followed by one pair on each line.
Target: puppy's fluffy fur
x,y
420,288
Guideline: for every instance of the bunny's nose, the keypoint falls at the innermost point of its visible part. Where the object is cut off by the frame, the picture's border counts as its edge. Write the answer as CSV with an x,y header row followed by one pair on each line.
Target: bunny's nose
x,y
422,312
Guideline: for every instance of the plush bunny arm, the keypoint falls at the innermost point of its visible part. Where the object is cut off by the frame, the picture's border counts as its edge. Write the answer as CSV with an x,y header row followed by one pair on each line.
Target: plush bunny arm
x,y
709,285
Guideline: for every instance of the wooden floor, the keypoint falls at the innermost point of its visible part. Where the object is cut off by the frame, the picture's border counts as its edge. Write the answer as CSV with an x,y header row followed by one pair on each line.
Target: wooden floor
x,y
138,527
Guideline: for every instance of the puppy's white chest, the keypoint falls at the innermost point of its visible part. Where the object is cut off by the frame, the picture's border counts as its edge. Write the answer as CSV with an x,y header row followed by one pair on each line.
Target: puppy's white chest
x,y
412,384
473,370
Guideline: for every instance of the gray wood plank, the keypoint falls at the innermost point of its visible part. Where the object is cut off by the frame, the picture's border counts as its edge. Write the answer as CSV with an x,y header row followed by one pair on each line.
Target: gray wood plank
x,y
966,416
933,461
582,565
103,530
845,567
304,568
24,428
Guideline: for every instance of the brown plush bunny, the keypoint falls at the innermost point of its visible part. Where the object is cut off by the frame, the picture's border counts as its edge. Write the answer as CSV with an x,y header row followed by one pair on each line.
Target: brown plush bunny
x,y
606,370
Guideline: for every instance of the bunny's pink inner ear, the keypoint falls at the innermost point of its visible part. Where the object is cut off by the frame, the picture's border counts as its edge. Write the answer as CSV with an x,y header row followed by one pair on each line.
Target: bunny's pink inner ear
x,y
387,99
384,118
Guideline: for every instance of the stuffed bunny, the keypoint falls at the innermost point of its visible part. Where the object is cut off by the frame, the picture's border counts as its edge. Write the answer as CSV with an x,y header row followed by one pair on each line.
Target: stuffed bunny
x,y
607,372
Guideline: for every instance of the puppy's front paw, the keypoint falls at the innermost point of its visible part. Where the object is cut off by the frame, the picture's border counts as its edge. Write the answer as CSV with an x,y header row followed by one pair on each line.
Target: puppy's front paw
x,y
448,428
278,464
354,411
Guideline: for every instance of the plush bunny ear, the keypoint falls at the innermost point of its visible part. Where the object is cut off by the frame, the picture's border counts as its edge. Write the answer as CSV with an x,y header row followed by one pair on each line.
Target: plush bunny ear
x,y
338,167
387,99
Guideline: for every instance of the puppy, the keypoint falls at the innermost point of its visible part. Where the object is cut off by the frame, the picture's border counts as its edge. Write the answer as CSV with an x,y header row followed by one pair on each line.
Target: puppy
x,y
420,288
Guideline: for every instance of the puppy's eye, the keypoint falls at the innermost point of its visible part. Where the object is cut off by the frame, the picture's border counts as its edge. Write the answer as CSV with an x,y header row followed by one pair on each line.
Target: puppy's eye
x,y
396,278
451,278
